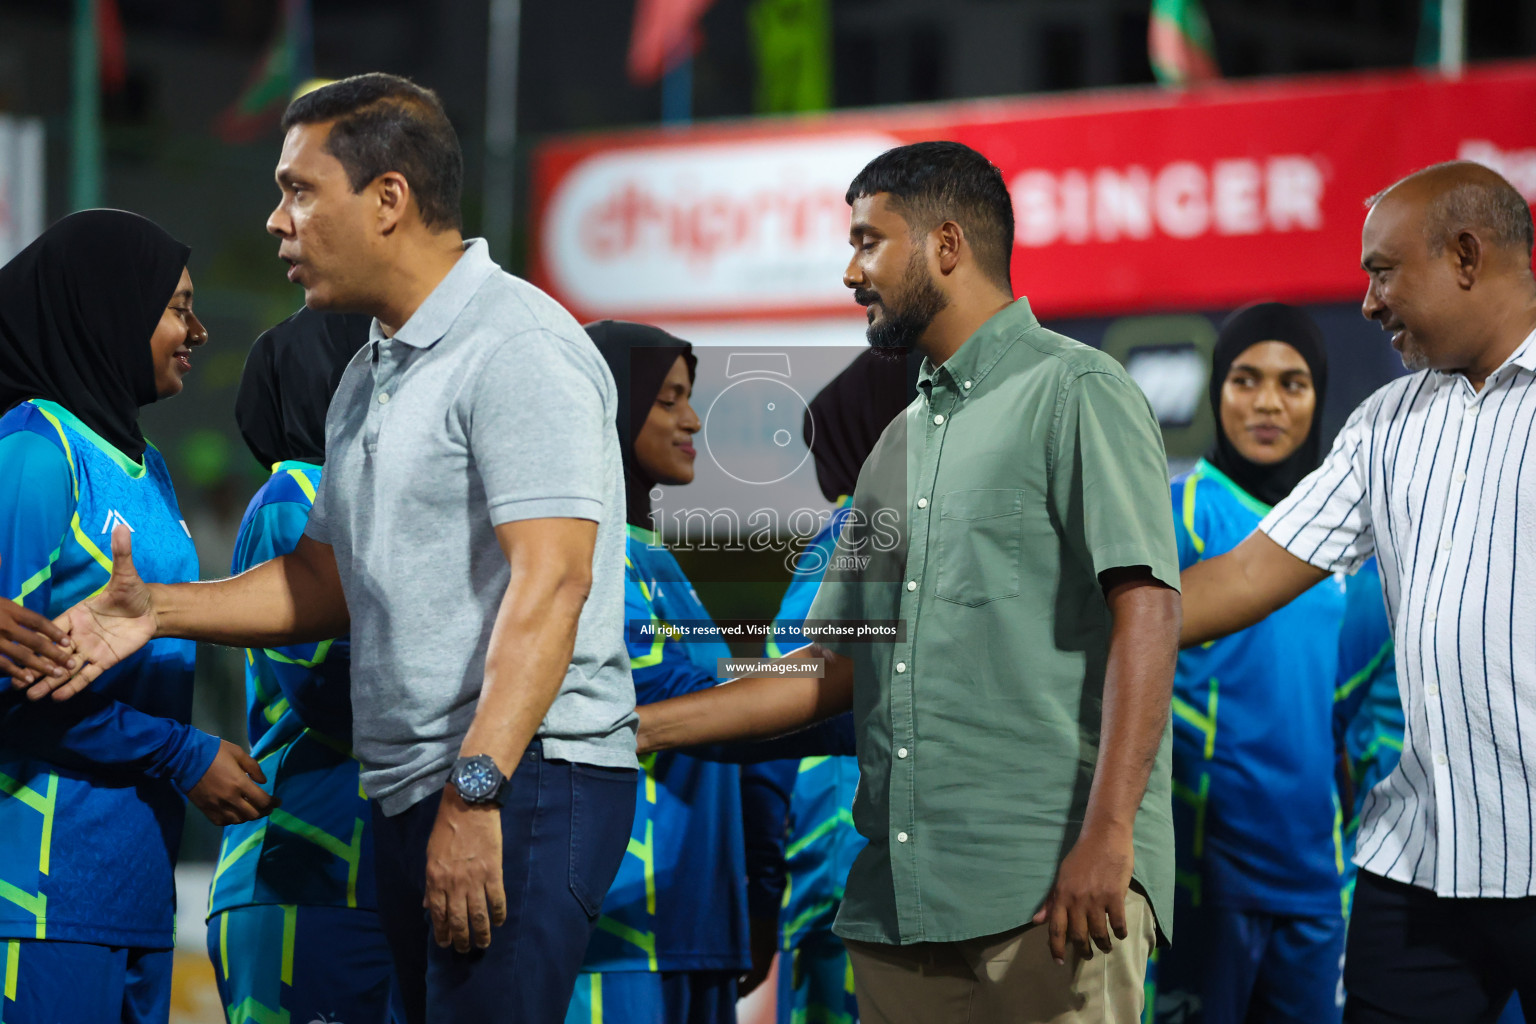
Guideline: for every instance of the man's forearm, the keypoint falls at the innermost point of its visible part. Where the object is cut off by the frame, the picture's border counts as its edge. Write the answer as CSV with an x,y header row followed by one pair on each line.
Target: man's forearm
x,y
1233,591
530,652
1138,696
284,601
754,708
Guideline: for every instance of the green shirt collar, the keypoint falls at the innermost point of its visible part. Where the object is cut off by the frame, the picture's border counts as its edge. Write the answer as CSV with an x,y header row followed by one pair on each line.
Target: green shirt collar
x,y
63,415
974,360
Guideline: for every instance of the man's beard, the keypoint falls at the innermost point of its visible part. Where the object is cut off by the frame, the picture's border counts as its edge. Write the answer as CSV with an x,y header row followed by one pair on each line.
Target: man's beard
x,y
901,326
1414,357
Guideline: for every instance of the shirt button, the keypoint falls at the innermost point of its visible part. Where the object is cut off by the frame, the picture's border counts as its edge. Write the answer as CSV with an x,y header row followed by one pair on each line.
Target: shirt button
x,y
1445,545
911,584
1461,477
901,667
902,753
967,385
1439,759
1430,615
901,837
939,418
922,502
1431,690
384,398
1471,411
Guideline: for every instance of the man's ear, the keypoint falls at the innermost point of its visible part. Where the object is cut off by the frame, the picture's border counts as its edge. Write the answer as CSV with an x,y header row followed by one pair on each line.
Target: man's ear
x,y
393,193
951,239
1467,249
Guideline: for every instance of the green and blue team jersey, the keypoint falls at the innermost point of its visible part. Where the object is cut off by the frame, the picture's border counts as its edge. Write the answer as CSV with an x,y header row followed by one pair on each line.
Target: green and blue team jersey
x,y
1369,711
1257,820
92,790
822,841
317,848
679,902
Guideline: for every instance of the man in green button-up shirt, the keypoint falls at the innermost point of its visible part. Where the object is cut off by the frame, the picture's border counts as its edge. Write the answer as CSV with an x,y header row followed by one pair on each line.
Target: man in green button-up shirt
x,y
1013,742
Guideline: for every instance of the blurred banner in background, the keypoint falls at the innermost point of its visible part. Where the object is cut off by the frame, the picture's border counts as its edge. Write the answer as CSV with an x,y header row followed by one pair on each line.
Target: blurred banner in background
x,y
1128,201
21,183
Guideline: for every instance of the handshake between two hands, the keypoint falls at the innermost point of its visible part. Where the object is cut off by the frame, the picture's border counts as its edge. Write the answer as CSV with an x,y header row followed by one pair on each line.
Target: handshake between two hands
x,y
63,656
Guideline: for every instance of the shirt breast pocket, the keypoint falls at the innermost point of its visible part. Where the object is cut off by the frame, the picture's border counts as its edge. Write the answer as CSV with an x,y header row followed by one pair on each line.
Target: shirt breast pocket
x,y
980,546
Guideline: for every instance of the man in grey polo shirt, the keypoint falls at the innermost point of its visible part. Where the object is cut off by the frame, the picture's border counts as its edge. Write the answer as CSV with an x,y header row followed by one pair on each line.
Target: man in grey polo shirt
x,y
469,530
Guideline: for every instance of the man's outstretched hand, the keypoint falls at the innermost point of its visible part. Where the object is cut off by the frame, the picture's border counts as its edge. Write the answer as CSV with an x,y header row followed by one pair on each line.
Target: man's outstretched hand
x,y
106,628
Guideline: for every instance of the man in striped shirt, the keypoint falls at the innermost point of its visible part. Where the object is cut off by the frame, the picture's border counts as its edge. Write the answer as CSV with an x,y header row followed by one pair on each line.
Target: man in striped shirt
x,y
1429,474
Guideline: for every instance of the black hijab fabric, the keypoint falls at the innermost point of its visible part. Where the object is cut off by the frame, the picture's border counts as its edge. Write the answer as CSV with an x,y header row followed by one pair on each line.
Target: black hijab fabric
x,y
640,357
849,414
289,380
1268,321
77,309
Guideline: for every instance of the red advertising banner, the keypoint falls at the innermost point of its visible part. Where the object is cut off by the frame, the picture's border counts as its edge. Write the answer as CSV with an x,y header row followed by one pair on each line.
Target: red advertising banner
x,y
1125,201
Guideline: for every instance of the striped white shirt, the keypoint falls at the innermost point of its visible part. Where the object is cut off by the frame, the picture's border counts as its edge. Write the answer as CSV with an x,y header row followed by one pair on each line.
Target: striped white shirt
x,y
1439,482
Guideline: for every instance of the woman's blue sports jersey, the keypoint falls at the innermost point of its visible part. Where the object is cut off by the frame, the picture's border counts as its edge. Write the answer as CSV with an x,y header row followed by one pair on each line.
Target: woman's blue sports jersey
x,y
679,902
1256,811
316,849
92,790
822,841
1369,713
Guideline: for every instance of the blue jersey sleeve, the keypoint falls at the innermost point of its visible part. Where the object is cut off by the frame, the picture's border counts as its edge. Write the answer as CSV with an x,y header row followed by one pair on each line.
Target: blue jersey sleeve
x,y
1186,528
314,678
38,504
765,791
90,732
660,664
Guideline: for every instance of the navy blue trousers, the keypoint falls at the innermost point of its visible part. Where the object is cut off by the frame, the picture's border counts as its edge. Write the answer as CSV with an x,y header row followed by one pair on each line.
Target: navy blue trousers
x,y
564,830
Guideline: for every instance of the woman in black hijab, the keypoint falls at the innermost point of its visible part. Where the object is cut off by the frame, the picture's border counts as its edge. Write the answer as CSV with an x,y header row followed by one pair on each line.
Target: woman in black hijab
x,y
1268,438
96,321
299,717
290,377
641,358
1261,935
96,315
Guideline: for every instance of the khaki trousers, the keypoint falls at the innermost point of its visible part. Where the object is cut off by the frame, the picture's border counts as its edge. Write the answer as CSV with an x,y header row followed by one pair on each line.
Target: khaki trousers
x,y
1005,979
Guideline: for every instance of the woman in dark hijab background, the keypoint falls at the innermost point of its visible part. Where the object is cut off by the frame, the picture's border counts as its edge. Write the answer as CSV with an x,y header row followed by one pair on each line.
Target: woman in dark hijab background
x,y
1259,846
299,717
685,880
96,321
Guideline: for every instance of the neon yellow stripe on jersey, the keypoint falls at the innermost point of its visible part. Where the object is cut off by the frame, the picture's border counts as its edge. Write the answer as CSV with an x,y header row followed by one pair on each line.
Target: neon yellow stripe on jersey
x,y
69,452
224,942
34,903
843,817
304,484
646,941
252,1012
1353,682
596,999
319,836
12,964
1206,723
807,763
42,803
290,927
810,914
322,651
1190,483
247,844
40,577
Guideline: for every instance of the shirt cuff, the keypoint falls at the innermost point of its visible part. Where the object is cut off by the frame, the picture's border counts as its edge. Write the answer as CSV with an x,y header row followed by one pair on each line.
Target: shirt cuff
x,y
191,762
518,509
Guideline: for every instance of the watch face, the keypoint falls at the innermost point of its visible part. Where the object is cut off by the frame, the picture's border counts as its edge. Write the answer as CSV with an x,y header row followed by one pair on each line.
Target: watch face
x,y
477,779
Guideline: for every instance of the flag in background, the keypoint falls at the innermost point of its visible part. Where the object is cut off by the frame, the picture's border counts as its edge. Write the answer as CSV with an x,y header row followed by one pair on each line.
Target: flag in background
x,y
792,40
666,32
287,64
111,46
1426,48
1180,44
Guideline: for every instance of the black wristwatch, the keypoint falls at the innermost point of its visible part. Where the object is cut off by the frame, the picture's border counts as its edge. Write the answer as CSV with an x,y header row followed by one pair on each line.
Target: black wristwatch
x,y
478,780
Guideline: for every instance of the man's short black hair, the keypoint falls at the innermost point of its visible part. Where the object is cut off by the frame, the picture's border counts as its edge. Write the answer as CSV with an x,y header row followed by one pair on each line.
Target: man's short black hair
x,y
388,123
931,182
